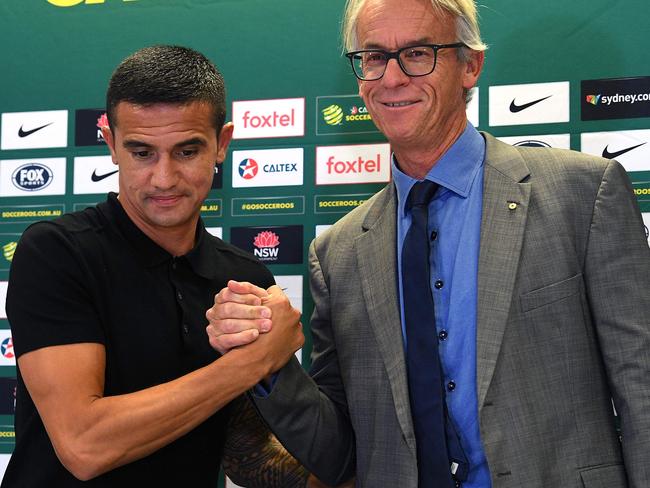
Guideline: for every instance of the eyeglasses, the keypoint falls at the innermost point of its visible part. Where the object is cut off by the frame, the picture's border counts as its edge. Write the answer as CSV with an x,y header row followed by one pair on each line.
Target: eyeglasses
x,y
370,64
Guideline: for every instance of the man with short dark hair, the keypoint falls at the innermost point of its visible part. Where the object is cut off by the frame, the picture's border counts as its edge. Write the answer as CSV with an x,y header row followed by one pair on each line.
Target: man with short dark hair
x,y
539,270
117,384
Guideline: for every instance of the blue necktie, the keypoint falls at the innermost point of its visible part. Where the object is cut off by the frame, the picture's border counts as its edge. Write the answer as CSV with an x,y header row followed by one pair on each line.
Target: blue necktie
x,y
439,452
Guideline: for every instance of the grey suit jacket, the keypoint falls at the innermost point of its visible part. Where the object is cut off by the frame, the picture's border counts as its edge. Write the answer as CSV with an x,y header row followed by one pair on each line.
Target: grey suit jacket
x,y
563,326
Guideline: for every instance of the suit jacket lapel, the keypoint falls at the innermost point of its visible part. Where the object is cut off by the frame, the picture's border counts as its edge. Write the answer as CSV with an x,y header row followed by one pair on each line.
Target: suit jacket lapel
x,y
506,196
377,265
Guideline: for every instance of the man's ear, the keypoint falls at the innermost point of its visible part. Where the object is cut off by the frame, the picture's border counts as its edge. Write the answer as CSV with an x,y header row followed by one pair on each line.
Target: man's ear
x,y
473,69
107,133
223,140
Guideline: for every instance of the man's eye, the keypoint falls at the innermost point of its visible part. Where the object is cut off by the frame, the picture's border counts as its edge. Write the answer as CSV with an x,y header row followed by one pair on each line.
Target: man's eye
x,y
141,154
418,53
374,57
188,153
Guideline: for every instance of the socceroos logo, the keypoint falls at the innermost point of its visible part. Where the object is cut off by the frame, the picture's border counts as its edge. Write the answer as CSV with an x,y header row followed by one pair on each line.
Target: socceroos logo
x,y
8,250
74,3
333,115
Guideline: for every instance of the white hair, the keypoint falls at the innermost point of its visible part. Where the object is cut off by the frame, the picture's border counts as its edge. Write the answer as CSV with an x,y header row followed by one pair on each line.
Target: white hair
x,y
467,28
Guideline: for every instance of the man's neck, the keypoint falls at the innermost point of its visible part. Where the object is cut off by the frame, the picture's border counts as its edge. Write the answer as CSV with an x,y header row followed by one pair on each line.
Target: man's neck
x,y
417,160
176,242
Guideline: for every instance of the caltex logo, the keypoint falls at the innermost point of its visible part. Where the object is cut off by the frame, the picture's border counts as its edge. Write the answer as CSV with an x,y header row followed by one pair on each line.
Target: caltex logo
x,y
7,348
593,99
333,114
248,169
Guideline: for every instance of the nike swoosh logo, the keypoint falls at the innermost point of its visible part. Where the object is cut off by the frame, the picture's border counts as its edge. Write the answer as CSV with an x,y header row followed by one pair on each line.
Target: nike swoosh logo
x,y
25,133
612,155
514,108
95,177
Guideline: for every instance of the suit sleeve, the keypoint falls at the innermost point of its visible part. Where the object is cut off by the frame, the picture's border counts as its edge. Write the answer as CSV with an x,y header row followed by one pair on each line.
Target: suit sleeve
x,y
309,415
617,274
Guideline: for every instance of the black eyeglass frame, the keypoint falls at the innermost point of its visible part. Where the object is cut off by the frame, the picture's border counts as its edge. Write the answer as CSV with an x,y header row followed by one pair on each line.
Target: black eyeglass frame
x,y
396,56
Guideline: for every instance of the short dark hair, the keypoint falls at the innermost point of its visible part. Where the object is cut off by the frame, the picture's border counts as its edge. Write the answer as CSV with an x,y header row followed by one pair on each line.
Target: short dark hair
x,y
167,74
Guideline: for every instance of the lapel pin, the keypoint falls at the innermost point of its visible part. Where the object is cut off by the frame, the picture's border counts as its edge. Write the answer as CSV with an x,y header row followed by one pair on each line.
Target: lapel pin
x,y
512,205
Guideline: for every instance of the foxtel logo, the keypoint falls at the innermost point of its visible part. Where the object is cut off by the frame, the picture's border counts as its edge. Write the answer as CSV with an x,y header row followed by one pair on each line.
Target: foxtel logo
x,y
269,118
367,163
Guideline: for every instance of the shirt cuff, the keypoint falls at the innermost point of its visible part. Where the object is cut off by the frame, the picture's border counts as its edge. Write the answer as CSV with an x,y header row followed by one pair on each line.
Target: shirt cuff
x,y
264,388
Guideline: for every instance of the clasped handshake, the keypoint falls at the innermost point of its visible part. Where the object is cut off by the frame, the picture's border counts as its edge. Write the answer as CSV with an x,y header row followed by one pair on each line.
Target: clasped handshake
x,y
262,322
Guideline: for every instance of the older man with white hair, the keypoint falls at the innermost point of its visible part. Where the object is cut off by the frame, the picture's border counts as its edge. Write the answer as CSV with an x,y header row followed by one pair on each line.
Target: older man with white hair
x,y
475,319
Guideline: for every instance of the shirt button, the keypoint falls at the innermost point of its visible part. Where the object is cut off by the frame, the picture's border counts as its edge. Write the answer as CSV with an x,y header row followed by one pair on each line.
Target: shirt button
x,y
434,235
438,284
451,386
186,329
442,335
179,295
173,264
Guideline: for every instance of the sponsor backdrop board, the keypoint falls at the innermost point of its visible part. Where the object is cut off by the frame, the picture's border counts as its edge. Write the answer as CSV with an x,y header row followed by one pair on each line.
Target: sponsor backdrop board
x,y
573,75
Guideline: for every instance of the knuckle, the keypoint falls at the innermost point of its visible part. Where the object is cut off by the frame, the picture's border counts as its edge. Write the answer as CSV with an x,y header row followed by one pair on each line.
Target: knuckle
x,y
252,312
227,326
219,297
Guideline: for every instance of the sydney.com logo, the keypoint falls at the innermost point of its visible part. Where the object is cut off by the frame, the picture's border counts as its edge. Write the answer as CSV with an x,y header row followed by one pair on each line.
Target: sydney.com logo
x,y
593,99
615,98
618,98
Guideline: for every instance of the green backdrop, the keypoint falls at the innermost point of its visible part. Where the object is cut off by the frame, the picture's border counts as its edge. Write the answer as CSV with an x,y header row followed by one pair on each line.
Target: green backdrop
x,y
60,58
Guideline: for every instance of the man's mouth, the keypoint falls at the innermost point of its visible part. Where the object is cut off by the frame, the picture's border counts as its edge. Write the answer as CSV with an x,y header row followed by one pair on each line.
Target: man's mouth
x,y
398,104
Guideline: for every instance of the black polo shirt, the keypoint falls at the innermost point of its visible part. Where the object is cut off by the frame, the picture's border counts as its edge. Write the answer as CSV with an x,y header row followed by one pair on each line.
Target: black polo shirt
x,y
93,276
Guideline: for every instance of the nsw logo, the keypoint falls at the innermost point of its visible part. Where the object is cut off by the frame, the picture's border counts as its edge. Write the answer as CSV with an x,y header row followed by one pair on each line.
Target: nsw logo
x,y
266,245
271,245
248,169
32,177
88,127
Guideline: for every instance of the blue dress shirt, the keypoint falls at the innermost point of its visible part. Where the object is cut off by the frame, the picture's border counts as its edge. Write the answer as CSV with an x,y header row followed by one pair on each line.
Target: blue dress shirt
x,y
455,218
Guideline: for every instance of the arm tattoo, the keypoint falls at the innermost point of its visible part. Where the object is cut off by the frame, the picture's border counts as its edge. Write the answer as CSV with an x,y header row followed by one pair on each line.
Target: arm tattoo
x,y
253,457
